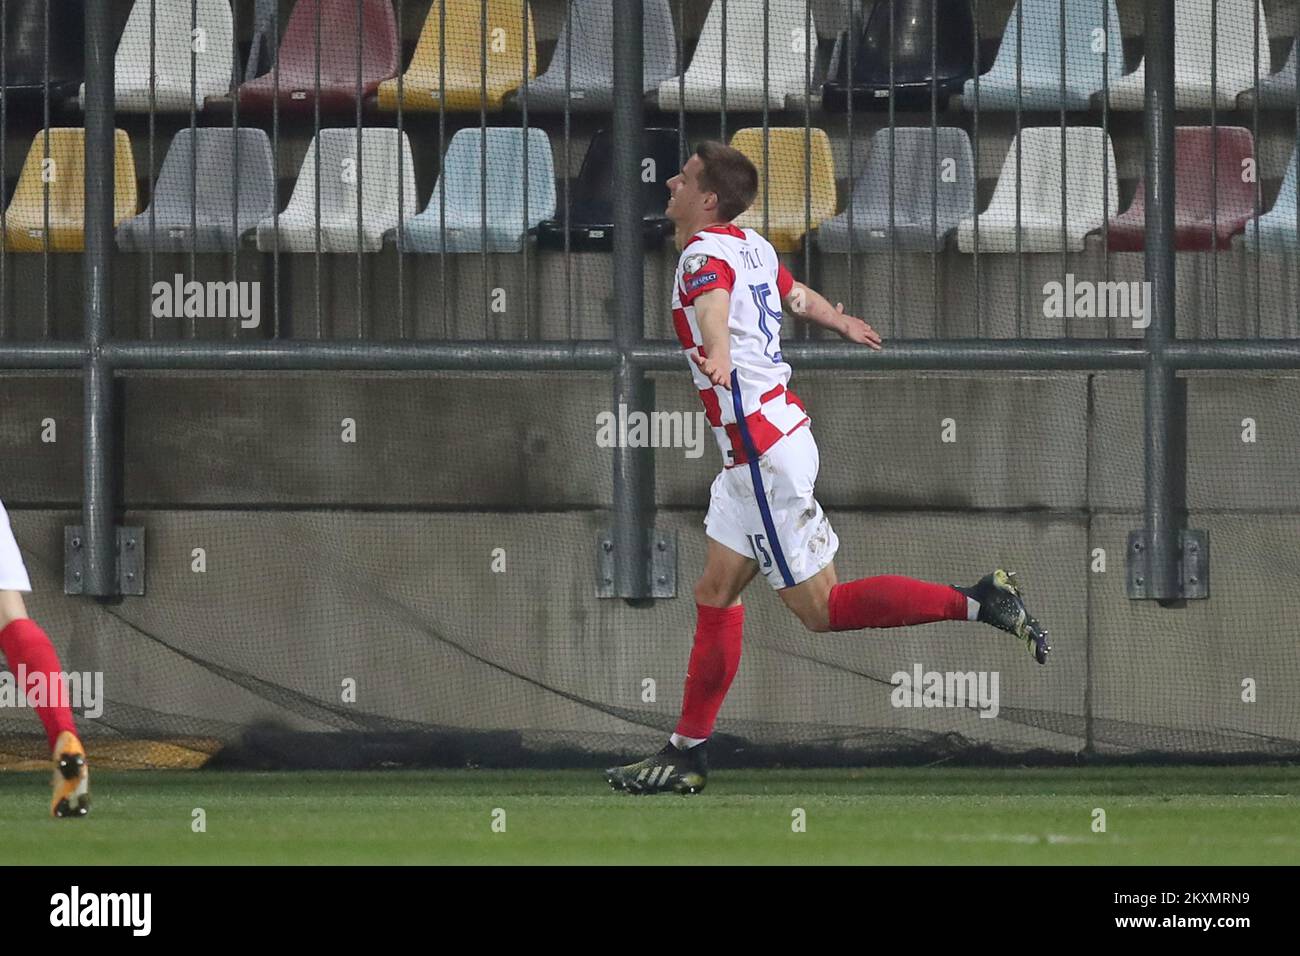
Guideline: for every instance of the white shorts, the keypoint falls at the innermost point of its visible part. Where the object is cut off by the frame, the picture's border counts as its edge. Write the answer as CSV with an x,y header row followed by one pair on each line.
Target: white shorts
x,y
784,528
13,575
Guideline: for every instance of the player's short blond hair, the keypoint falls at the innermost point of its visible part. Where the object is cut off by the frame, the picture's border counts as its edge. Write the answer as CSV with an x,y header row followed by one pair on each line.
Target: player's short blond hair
x,y
729,174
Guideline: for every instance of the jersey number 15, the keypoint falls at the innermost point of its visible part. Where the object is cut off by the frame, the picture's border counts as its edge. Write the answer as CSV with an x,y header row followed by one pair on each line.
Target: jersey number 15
x,y
765,314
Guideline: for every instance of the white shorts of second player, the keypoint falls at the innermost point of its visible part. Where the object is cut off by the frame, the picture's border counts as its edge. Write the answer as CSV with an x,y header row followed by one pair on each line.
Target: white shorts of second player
x,y
13,575
788,534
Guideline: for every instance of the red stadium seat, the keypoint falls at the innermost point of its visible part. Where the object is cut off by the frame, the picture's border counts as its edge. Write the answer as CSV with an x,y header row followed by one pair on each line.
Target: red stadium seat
x,y
379,57
1196,227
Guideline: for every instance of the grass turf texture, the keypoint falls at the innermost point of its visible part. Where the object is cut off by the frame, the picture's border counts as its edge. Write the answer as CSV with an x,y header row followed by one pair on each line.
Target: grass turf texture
x,y
1165,815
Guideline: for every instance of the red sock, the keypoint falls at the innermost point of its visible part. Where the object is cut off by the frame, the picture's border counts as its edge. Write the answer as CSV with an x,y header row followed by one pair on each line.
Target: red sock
x,y
889,600
26,645
715,657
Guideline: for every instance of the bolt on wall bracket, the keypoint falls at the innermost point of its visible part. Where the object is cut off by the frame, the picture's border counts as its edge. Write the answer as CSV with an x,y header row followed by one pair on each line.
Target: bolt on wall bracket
x,y
130,560
1193,565
661,565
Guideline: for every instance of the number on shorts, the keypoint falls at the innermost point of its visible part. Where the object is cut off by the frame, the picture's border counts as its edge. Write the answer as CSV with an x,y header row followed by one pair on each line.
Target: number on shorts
x,y
761,554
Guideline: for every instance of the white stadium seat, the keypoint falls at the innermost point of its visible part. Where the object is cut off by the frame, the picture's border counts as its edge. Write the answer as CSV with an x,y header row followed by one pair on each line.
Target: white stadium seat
x,y
787,58
211,54
1040,196
1235,66
339,179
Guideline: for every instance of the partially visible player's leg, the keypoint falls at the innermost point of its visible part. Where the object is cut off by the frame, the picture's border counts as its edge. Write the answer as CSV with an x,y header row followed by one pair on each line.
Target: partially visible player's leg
x,y
28,652
34,662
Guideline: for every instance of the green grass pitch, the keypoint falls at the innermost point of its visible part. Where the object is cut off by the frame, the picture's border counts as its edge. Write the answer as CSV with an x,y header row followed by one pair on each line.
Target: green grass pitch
x,y
1166,815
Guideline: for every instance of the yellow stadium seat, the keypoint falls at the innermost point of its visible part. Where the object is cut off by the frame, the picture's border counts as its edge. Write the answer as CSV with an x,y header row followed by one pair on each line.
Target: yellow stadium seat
x,y
787,219
64,178
461,87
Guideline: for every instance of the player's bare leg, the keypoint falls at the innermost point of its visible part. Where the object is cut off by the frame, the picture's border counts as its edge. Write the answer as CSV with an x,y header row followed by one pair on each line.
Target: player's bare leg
x,y
725,576
889,600
26,646
12,608
810,600
681,766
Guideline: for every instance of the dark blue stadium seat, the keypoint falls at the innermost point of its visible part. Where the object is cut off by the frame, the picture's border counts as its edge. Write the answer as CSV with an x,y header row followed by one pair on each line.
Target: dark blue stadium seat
x,y
24,74
591,207
916,25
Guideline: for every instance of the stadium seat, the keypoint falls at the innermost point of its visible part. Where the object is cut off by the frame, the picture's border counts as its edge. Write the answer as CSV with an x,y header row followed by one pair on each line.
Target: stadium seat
x,y
788,59
913,82
506,223
586,52
379,53
340,179
170,32
784,172
591,200
1040,198
64,179
460,86
1278,91
1039,81
1192,57
919,223
213,224
1195,223
1277,228
24,48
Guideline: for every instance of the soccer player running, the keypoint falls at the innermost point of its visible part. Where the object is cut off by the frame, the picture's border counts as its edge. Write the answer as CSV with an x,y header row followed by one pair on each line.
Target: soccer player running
x,y
29,652
727,302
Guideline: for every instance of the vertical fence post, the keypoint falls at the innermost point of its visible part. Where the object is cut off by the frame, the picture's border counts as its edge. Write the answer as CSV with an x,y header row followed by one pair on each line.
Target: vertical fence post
x,y
99,561
634,482
1156,553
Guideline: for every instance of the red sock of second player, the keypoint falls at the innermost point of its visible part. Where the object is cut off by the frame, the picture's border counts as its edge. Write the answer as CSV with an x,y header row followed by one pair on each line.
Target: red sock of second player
x,y
28,651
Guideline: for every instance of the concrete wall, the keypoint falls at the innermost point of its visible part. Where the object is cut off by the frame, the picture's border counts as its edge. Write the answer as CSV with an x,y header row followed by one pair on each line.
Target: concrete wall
x,y
310,580
553,296
1052,442
373,559
408,606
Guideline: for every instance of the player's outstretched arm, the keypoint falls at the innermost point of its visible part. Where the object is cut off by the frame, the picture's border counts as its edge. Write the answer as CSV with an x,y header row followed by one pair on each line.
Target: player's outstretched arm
x,y
810,304
711,312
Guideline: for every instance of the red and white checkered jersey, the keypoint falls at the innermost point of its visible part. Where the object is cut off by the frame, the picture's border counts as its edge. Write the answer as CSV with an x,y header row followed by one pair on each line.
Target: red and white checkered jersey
x,y
745,264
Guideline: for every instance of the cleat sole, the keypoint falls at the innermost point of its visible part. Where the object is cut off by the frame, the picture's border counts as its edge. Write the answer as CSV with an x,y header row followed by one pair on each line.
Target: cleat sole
x,y
69,778
1025,625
